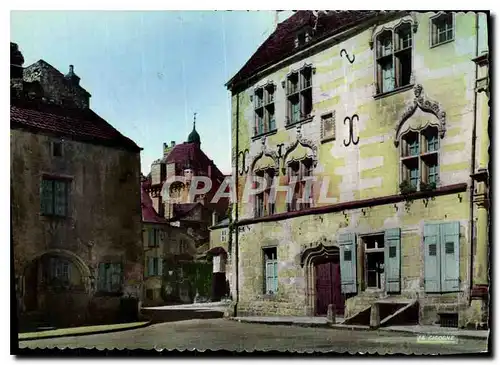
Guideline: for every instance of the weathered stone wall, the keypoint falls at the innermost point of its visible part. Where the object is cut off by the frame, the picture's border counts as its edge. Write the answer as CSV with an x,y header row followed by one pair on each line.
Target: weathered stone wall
x,y
104,221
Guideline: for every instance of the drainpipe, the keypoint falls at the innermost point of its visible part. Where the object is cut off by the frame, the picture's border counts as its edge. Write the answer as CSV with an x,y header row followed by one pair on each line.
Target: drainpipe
x,y
473,170
236,246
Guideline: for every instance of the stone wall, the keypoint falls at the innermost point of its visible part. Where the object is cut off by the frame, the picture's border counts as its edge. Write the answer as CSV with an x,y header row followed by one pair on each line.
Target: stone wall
x,y
104,220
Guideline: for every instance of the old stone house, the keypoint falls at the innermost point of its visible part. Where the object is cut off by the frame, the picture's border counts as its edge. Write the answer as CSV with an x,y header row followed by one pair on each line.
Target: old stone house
x,y
388,111
75,202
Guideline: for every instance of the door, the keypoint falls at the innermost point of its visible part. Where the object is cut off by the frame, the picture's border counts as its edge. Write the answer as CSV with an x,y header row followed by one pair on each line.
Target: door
x,y
328,288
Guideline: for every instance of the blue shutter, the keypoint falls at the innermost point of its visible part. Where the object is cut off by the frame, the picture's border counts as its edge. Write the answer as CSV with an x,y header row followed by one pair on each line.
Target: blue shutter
x,y
432,261
46,194
348,255
60,198
450,256
392,259
275,277
160,266
271,276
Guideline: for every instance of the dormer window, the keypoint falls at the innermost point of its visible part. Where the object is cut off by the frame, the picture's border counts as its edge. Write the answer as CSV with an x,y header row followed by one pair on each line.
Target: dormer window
x,y
442,29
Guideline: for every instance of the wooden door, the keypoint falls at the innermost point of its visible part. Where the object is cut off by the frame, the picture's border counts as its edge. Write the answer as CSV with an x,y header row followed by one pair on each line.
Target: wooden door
x,y
328,288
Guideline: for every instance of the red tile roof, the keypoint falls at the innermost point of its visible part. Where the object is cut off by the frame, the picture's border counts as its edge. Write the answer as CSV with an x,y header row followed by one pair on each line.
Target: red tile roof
x,y
149,214
78,124
281,43
191,153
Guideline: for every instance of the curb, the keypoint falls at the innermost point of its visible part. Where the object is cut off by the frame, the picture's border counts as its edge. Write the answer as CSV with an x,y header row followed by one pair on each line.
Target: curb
x,y
359,328
87,333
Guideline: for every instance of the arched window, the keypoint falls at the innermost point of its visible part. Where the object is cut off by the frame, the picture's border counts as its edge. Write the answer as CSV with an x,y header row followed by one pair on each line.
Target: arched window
x,y
420,159
264,205
394,58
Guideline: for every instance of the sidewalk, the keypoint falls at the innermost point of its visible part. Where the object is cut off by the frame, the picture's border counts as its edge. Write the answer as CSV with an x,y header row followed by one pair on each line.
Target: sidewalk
x,y
81,331
322,322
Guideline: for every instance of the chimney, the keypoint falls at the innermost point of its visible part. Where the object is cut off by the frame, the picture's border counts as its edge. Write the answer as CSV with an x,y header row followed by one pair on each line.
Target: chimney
x,y
71,76
16,70
172,143
214,218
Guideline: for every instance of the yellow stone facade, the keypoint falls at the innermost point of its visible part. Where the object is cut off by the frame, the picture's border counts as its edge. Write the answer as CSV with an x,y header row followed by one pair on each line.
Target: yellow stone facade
x,y
367,173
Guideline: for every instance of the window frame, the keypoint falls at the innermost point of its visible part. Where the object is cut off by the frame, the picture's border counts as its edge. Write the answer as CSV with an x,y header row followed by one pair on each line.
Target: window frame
x,y
305,169
67,190
108,287
376,249
262,205
53,145
264,101
433,31
299,90
424,159
395,55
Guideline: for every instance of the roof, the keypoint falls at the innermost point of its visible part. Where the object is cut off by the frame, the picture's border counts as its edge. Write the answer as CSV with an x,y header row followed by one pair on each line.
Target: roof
x,y
191,153
194,137
221,224
281,43
78,124
149,214
181,210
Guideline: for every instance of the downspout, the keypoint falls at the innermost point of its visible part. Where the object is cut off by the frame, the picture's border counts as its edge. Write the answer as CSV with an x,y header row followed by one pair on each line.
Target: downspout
x,y
473,170
235,226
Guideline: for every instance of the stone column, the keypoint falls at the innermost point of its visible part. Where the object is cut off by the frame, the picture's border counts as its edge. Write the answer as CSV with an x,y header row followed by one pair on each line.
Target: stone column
x,y
480,274
375,316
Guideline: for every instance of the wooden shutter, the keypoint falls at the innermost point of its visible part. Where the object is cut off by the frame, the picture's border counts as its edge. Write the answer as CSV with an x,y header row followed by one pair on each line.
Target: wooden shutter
x,y
450,256
275,276
270,276
432,261
160,266
116,277
347,242
151,266
151,237
46,194
60,197
392,258
101,278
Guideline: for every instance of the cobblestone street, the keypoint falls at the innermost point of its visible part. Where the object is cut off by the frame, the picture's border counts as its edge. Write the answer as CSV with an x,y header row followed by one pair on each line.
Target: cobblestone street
x,y
224,334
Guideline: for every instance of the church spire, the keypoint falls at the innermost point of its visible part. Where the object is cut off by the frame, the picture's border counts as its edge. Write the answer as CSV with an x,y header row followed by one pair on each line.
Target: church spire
x,y
194,137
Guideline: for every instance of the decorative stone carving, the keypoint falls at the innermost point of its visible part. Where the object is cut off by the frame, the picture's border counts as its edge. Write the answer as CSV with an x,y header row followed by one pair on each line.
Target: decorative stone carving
x,y
325,248
303,142
426,105
266,152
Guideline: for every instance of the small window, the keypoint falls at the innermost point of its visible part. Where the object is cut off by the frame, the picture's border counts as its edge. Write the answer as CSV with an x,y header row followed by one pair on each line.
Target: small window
x,y
57,149
265,120
328,127
442,29
223,235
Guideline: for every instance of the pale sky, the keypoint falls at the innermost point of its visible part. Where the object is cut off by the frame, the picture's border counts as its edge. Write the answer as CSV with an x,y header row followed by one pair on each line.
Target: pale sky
x,y
149,71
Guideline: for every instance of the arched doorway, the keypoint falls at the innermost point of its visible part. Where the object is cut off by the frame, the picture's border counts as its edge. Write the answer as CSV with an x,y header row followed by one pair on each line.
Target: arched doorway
x,y
55,282
322,270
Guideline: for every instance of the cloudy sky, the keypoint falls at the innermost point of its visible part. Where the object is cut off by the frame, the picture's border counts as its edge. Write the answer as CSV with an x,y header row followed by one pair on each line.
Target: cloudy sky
x,y
149,71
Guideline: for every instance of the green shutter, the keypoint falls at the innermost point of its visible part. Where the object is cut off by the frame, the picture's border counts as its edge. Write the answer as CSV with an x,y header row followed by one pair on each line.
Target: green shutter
x,y
392,258
151,269
60,198
432,261
160,266
116,277
101,278
269,276
275,277
46,194
151,237
450,256
347,242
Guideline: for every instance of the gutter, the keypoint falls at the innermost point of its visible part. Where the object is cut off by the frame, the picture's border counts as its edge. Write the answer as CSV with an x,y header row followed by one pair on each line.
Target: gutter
x,y
328,42
236,248
473,170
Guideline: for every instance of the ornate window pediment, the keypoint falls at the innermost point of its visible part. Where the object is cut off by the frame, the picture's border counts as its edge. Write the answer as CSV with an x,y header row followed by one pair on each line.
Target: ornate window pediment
x,y
426,105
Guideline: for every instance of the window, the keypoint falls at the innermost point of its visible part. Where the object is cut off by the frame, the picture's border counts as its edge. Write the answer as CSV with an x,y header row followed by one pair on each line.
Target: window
x,y
328,127
299,95
441,29
183,246
54,197
153,237
394,58
59,271
110,277
374,261
57,149
441,257
265,120
154,266
270,270
300,170
419,158
223,235
263,202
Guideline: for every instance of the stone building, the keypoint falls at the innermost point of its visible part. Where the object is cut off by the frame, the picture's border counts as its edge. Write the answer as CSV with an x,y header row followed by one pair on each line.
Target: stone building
x,y
185,223
388,112
75,202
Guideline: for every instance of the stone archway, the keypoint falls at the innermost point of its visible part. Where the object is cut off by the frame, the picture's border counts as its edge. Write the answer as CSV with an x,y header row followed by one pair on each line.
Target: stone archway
x,y
320,259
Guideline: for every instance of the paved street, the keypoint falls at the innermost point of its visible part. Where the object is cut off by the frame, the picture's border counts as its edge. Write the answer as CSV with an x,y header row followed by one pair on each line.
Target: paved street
x,y
230,335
